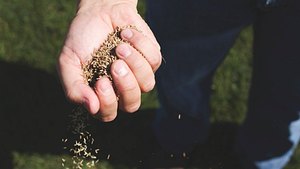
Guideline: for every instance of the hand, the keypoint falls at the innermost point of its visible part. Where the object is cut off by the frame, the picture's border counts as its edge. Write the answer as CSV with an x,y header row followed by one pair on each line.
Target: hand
x,y
132,74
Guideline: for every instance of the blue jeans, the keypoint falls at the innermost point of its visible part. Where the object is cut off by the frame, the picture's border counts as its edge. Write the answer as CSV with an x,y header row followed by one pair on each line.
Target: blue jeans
x,y
195,36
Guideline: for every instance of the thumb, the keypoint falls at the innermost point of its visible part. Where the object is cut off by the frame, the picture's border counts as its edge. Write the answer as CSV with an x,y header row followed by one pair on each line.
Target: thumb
x,y
76,90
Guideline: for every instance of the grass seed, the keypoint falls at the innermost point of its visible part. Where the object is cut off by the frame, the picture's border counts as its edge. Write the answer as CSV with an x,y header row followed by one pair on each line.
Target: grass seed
x,y
102,58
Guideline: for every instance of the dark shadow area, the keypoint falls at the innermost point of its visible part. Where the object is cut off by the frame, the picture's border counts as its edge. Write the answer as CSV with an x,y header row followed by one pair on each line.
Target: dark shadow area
x,y
33,112
129,139
218,151
34,119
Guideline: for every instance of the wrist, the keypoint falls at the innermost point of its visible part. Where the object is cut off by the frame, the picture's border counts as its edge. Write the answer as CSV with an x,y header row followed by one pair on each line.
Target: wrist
x,y
85,5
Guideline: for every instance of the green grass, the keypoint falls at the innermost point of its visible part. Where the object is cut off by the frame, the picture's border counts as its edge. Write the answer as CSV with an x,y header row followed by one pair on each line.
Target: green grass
x,y
30,161
32,33
231,82
38,161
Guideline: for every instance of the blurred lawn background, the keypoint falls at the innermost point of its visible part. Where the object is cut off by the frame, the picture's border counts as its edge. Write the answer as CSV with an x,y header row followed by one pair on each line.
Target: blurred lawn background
x,y
32,33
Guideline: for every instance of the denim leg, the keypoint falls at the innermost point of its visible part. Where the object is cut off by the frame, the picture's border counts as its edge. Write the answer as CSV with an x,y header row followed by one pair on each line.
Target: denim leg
x,y
194,35
183,85
271,130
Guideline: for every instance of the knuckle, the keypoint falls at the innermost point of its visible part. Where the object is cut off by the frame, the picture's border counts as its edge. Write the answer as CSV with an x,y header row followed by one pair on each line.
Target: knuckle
x,y
130,86
138,40
126,15
139,65
109,103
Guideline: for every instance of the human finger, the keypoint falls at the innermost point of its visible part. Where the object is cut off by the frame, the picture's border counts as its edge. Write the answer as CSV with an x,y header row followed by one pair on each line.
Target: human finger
x,y
127,86
147,31
107,99
144,45
138,65
76,90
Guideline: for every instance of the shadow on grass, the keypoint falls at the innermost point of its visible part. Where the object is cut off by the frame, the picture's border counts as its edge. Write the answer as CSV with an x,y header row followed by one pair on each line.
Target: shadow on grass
x,y
34,119
128,141
33,112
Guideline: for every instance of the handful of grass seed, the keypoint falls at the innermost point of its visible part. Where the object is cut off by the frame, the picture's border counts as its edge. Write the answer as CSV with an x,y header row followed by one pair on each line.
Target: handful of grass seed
x,y
83,155
103,57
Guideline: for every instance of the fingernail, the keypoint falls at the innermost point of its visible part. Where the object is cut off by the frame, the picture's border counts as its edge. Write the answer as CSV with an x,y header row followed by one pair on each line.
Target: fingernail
x,y
120,69
124,50
127,34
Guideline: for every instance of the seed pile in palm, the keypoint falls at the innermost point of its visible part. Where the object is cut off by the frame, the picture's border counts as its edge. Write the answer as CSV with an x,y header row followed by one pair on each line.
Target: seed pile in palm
x,y
103,57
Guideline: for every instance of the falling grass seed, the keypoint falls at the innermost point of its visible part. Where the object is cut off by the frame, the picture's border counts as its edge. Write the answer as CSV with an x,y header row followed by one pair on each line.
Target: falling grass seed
x,y
98,66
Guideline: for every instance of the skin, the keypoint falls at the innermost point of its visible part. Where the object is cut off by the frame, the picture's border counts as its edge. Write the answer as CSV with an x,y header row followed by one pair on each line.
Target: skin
x,y
132,74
